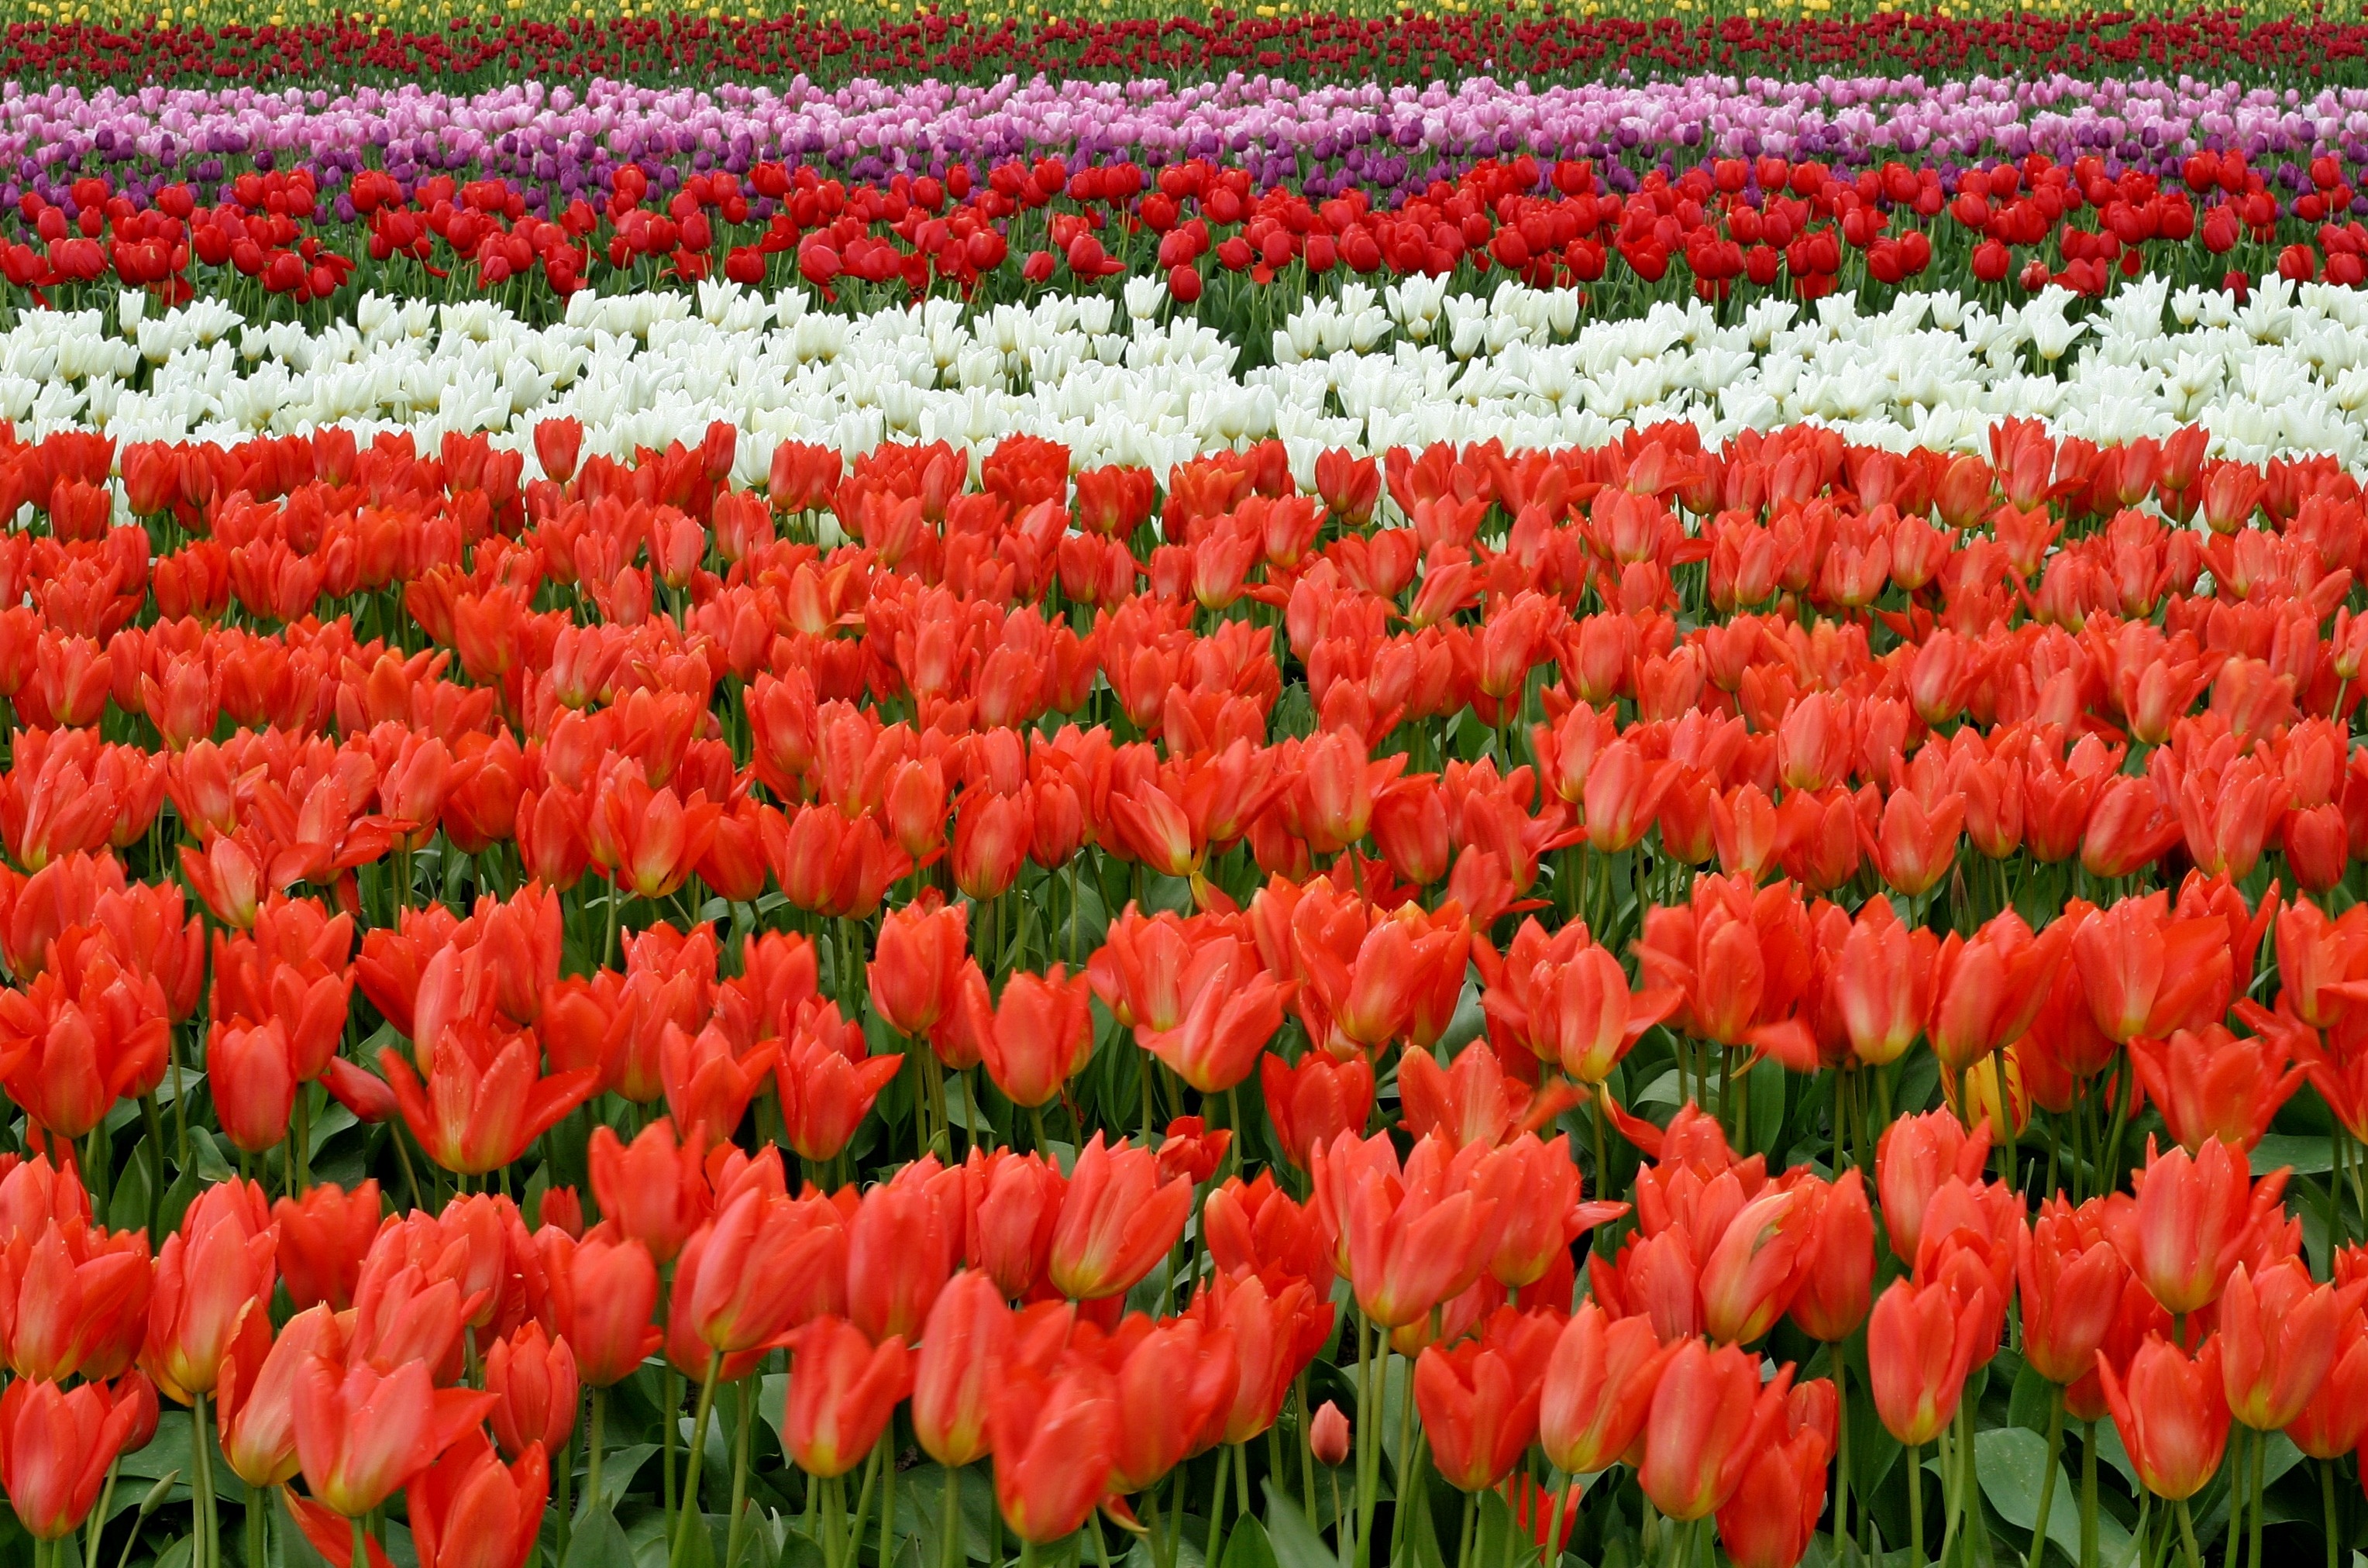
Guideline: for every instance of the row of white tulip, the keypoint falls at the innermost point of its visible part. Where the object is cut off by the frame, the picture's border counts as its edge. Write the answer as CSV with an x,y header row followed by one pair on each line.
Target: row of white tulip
x,y
1131,379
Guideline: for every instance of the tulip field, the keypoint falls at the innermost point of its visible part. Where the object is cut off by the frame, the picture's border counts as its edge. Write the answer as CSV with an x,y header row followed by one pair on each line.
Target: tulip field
x,y
1126,786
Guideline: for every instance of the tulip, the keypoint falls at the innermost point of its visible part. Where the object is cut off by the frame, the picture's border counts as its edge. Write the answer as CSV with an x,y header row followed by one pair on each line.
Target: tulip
x,y
257,1411
1987,990
254,1078
1329,1435
917,962
1314,1101
1040,1035
900,1251
1882,983
2278,1336
482,1101
362,1435
1711,1417
604,1295
1173,1387
1410,1238
1837,1272
1759,1263
532,1377
2212,1084
1479,1401
827,1082
2336,1419
739,1283
954,1376
55,1449
1118,1220
1232,1009
2145,975
843,1389
322,1236
653,1188
2071,1287
1598,1388
2172,1415
1055,1443
469,1510
1584,1016
2192,1220
1274,1332
1774,1511
73,1298
1914,1156
1921,1342
1010,1232
209,1276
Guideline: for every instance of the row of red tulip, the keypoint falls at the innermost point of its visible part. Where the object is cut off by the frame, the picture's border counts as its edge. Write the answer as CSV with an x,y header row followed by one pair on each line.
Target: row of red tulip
x,y
1766,223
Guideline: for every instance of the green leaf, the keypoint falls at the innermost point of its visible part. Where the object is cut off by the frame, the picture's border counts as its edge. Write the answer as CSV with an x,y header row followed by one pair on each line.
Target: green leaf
x,y
618,1468
2305,1155
2013,1463
1246,1547
598,1543
1295,1542
2033,1401
208,1157
1500,1538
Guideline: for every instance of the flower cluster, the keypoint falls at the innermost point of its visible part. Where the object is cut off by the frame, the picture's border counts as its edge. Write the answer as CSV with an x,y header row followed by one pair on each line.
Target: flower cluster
x,y
1574,952
1390,43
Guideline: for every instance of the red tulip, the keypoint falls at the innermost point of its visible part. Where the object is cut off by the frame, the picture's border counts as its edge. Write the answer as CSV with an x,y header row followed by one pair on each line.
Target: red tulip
x,y
1055,1441
257,1411
1598,1388
2278,1335
2171,1413
1921,1342
532,1377
960,1364
209,1276
2071,1279
1711,1418
2192,1220
1774,1511
74,1300
362,1435
1759,1263
918,960
483,1100
321,1239
1118,1220
843,1389
55,1448
1914,1157
1409,1238
1040,1034
605,1298
1479,1401
1174,1382
900,1251
1314,1101
469,1510
2336,1419
653,1190
2212,1084
1838,1275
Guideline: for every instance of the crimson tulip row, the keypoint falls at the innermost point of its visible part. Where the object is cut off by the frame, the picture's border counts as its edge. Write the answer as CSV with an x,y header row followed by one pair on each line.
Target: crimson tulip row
x,y
1320,45
1722,225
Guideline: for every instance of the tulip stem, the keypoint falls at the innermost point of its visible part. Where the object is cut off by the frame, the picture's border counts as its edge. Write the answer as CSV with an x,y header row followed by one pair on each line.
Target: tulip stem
x,y
207,1549
154,1124
740,1445
255,1525
1463,1531
2088,1494
2327,1504
593,1443
1841,1454
2236,1497
670,1406
691,1513
1214,1552
98,1518
2253,1516
863,1501
564,1463
1915,1504
1368,1467
2187,1535
2047,1478
949,1549
887,1494
361,1544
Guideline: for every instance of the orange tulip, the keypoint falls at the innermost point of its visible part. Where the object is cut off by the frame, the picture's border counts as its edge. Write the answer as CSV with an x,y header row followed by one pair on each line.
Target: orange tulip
x,y
652,1189
1231,1008
1055,1441
1711,1418
2336,1419
827,1081
213,1272
1882,984
2278,1335
842,1391
1759,1263
1479,1400
55,1448
960,1364
1774,1511
483,1100
1409,1238
1598,1388
2192,1220
1921,1342
1118,1220
2071,1285
1173,1382
321,1239
2147,974
469,1510
1914,1157
1313,1101
1038,1034
1987,990
2213,1084
917,962
533,1379
257,1411
1838,1274
362,1435
2171,1413
603,1299
73,1298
